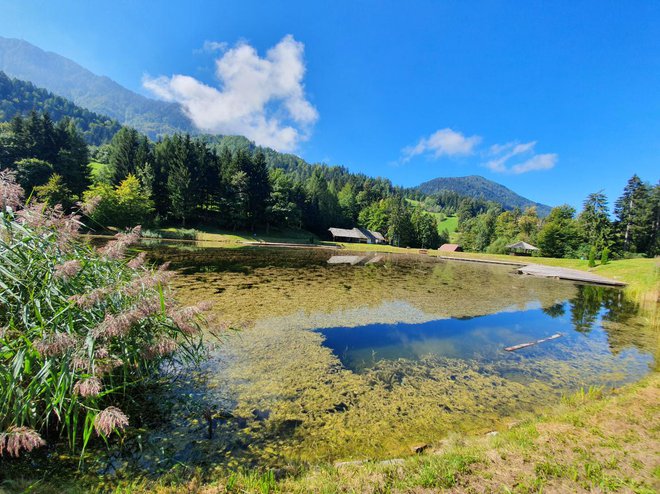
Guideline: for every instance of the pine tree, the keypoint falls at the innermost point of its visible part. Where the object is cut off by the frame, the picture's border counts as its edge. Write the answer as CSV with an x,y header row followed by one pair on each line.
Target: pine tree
x,y
594,221
633,214
124,153
180,182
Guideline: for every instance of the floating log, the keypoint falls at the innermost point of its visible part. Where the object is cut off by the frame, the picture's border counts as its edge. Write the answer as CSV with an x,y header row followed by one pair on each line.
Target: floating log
x,y
532,343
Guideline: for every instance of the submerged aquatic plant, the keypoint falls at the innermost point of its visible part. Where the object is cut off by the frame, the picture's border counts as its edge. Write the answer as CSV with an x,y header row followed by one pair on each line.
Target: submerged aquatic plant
x,y
81,330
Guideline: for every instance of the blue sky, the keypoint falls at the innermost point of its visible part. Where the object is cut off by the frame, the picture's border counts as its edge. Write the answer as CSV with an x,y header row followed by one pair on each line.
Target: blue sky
x,y
552,99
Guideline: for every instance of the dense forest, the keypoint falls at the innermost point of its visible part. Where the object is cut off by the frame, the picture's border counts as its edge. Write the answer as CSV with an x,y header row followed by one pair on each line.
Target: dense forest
x,y
20,98
229,183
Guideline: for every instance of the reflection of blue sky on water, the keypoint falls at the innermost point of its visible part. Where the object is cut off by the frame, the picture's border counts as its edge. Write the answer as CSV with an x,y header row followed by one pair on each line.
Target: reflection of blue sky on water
x,y
481,338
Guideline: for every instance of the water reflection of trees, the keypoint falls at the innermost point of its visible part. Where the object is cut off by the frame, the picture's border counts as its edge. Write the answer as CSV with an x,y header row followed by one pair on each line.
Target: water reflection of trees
x,y
618,316
556,310
591,300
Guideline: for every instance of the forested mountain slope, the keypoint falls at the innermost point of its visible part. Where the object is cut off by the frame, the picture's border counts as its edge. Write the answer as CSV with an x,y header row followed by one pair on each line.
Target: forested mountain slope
x,y
482,188
21,97
99,94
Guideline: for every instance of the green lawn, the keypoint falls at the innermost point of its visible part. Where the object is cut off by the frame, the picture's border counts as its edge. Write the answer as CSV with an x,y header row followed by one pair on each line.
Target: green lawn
x,y
449,223
214,235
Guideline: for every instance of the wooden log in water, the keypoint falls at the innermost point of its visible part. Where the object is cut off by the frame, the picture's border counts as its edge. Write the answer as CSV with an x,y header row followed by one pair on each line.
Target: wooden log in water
x,y
532,343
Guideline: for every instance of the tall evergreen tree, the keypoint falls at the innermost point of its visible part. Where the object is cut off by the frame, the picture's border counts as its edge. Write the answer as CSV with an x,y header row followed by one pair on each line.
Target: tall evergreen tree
x,y
125,150
594,221
633,214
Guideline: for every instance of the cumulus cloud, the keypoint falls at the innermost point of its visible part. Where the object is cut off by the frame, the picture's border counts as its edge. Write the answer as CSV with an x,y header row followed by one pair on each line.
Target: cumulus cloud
x,y
443,142
449,142
262,98
504,153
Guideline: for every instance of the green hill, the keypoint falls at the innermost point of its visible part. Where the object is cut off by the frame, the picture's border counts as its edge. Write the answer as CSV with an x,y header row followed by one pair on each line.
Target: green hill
x,y
21,97
482,188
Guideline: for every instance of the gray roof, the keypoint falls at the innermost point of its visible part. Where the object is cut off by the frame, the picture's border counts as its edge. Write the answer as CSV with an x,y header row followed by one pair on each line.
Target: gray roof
x,y
360,233
343,232
522,245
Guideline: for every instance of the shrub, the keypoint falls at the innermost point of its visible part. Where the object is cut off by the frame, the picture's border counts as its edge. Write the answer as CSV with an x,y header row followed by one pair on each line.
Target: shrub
x,y
592,257
605,256
31,172
498,246
80,329
54,192
126,205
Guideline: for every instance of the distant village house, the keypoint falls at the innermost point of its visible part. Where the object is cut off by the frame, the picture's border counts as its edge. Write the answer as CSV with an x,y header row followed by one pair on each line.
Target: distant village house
x,y
358,235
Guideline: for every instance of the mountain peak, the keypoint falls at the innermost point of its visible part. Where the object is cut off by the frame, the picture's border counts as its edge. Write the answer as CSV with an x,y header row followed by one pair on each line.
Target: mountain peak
x,y
482,188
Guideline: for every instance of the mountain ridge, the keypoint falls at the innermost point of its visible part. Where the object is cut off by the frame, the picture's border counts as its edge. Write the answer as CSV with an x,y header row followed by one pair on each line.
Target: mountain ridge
x,y
19,97
100,94
482,188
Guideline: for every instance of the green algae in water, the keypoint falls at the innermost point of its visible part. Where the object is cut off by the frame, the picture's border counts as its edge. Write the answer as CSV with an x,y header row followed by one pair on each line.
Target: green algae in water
x,y
283,393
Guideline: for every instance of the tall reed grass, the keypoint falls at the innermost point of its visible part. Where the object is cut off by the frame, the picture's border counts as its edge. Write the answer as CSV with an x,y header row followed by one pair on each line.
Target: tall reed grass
x,y
80,329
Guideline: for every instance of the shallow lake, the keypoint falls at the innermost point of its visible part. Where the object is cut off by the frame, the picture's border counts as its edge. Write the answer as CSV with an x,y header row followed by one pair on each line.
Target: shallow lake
x,y
350,355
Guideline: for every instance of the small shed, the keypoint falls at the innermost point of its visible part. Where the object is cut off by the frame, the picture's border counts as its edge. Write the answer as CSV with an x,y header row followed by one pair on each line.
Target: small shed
x,y
521,249
378,237
359,235
450,248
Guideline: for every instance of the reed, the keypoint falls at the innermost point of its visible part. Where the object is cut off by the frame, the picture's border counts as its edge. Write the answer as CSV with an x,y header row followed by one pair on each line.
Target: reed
x,y
80,329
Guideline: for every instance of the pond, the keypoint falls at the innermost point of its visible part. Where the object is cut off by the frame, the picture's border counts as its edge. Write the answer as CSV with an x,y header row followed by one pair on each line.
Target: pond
x,y
351,356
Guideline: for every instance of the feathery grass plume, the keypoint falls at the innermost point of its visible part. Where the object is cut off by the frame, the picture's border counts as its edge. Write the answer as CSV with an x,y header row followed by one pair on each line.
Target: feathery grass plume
x,y
67,270
115,325
137,261
147,281
108,420
55,344
88,387
18,439
185,318
87,300
164,346
11,194
40,217
116,249
90,205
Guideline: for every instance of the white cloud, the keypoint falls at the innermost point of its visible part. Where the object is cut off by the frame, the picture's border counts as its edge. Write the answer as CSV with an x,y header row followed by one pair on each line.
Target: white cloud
x,y
444,142
260,98
537,162
503,153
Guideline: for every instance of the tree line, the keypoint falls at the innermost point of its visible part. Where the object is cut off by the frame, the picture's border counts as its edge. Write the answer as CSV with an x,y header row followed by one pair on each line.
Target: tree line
x,y
203,181
634,230
229,183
